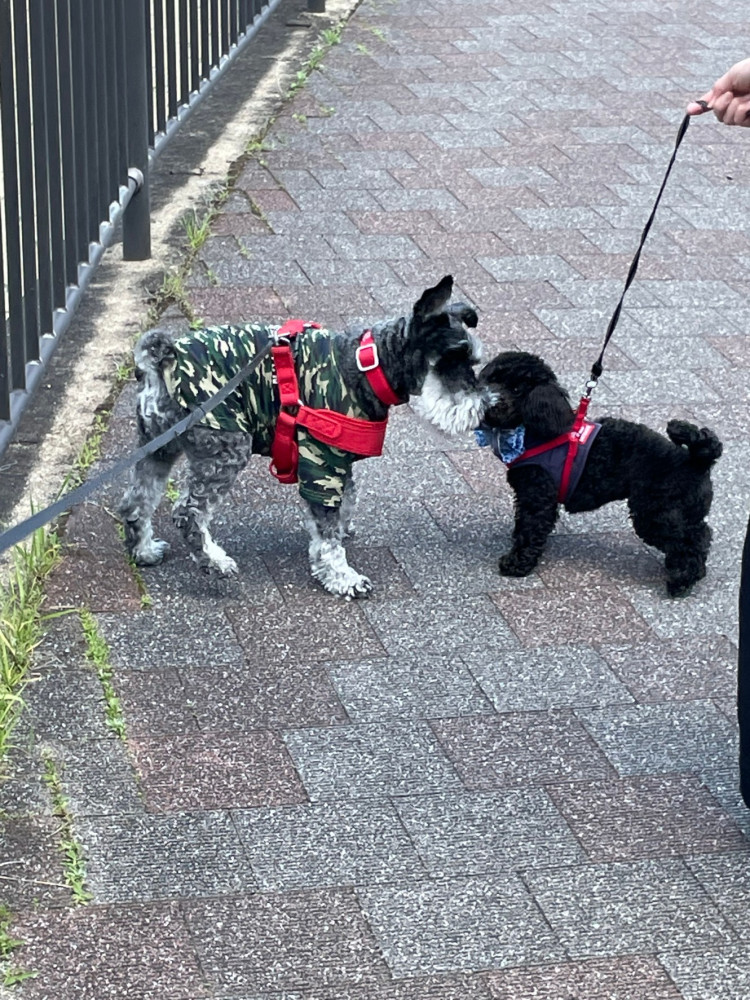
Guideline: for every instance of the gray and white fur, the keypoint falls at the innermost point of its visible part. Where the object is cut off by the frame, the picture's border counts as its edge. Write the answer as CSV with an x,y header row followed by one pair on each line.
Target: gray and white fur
x,y
427,358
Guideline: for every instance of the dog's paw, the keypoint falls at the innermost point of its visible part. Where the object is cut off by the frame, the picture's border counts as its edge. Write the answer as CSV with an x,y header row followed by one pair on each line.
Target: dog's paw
x,y
152,554
224,566
510,566
677,589
349,584
216,565
359,586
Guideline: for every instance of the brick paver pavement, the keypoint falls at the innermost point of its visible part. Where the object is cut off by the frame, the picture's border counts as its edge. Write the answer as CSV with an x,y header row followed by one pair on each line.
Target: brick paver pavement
x,y
466,787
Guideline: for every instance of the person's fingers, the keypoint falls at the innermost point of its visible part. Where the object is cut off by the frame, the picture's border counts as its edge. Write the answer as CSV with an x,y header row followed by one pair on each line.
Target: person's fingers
x,y
694,108
721,104
738,112
737,79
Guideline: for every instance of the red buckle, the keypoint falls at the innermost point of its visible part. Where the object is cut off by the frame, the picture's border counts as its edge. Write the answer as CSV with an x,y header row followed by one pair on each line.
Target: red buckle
x,y
373,372
374,360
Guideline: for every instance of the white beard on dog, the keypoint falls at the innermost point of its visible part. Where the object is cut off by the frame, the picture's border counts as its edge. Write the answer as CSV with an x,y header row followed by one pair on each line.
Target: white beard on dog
x,y
451,412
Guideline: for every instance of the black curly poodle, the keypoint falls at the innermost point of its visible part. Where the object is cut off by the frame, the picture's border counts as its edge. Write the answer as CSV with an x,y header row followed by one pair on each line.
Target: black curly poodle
x,y
666,482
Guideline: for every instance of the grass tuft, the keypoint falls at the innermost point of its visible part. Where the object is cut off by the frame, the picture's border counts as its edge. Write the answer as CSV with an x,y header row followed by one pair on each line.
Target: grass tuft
x,y
74,865
10,974
21,622
328,38
97,652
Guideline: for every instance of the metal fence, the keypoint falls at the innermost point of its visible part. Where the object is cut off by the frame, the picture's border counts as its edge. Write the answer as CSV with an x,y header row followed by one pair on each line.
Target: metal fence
x,y
90,92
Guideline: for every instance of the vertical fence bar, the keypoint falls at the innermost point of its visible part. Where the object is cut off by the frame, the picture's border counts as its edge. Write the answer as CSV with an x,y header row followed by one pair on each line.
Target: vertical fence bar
x,y
68,172
184,54
4,345
101,83
114,97
88,112
230,35
215,54
26,185
136,222
41,174
8,102
159,71
80,115
195,70
205,40
171,57
54,155
121,72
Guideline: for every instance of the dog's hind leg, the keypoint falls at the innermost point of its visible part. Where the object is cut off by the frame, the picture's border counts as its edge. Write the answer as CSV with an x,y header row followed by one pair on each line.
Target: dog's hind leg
x,y
215,459
328,556
685,546
685,560
148,481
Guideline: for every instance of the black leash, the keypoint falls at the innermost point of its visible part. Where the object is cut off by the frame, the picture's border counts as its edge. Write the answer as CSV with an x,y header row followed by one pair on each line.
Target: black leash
x,y
18,532
598,366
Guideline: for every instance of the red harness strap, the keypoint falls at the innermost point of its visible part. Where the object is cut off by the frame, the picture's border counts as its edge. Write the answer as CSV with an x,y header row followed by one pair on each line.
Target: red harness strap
x,y
361,437
369,363
577,434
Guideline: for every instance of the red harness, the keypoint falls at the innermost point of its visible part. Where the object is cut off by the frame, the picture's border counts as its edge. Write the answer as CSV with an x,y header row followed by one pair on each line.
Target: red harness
x,y
575,437
360,437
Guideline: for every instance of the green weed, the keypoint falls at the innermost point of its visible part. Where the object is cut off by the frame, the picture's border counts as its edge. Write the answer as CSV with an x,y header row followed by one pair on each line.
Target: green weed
x,y
21,622
97,652
9,974
328,38
74,866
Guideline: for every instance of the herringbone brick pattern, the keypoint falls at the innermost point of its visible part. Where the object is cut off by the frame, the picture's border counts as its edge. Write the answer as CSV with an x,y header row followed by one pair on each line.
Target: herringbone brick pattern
x,y
467,787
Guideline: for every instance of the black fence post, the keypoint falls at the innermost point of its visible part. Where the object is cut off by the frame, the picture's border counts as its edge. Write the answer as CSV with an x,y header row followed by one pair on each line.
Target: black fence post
x,y
136,219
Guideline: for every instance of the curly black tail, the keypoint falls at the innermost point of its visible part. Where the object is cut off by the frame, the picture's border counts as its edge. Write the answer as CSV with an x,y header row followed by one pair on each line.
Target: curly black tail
x,y
703,445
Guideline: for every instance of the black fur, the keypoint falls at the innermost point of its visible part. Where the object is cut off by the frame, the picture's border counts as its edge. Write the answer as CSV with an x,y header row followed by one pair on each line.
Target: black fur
x,y
666,483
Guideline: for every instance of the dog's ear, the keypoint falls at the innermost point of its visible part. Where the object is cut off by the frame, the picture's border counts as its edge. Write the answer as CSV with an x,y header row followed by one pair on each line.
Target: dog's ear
x,y
546,410
434,300
464,313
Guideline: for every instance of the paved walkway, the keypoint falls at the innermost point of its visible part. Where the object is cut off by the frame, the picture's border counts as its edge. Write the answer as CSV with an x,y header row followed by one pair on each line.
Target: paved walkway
x,y
467,787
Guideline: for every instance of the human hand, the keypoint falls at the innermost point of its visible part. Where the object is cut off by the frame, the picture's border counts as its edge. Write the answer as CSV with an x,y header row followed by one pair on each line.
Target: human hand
x,y
729,98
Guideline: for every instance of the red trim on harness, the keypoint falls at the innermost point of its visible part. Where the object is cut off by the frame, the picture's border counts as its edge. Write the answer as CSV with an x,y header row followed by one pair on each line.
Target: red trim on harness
x,y
361,437
577,435
369,363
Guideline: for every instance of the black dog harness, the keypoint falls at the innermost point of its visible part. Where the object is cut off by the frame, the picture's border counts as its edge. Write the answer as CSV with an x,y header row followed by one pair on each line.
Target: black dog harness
x,y
564,457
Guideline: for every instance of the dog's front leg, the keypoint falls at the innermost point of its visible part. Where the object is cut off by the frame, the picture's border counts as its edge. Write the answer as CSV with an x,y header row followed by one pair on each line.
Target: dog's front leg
x,y
328,556
536,514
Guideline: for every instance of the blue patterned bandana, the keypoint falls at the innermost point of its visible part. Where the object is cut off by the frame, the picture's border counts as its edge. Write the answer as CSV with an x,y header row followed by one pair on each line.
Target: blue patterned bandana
x,y
506,444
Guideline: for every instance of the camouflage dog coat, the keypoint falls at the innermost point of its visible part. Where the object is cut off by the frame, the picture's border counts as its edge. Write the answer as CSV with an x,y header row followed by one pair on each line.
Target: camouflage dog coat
x,y
207,359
